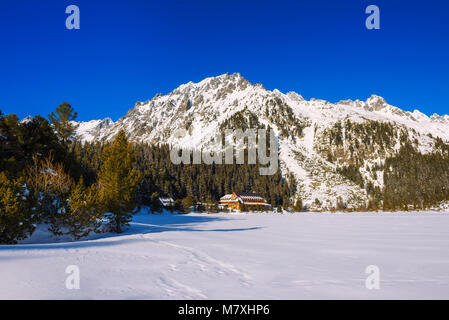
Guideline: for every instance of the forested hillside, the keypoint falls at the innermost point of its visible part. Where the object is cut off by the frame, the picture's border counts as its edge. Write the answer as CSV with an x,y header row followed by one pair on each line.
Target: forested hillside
x,y
353,155
335,152
48,177
42,181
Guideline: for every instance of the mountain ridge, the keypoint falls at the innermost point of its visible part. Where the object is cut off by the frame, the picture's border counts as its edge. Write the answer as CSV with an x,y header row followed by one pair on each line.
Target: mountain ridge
x,y
316,138
373,103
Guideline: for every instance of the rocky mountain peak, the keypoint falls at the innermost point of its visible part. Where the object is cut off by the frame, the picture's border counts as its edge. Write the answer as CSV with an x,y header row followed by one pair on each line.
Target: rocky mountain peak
x,y
376,102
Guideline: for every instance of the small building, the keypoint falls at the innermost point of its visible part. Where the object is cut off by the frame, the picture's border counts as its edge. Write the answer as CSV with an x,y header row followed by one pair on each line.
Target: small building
x,y
236,199
167,202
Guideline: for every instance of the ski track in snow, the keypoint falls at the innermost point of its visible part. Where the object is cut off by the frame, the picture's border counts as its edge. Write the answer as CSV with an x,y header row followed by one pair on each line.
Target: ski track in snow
x,y
253,256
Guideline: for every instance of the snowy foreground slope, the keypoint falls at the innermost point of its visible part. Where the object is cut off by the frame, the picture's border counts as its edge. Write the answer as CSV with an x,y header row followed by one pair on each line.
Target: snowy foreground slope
x,y
221,256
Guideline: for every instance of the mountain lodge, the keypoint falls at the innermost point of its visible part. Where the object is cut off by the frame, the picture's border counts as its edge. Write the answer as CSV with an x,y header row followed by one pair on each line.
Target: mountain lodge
x,y
167,202
236,199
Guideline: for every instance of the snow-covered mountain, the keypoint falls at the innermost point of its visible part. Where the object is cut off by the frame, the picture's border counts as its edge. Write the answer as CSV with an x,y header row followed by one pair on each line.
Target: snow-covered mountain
x,y
315,137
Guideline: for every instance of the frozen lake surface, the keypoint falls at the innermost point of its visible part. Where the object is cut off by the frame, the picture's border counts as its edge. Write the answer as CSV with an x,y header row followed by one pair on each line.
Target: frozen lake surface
x,y
252,256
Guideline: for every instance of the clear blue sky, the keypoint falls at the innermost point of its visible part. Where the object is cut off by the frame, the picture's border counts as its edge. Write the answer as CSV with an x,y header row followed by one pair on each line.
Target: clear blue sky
x,y
127,51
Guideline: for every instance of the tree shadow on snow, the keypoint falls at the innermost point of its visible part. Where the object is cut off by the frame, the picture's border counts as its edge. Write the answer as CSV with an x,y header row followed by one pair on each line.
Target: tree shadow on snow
x,y
141,224
168,222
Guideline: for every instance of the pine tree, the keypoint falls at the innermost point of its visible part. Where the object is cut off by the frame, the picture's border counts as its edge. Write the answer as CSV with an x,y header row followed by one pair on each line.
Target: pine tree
x,y
118,180
17,218
187,203
50,186
179,206
298,205
285,203
199,207
155,203
83,215
62,121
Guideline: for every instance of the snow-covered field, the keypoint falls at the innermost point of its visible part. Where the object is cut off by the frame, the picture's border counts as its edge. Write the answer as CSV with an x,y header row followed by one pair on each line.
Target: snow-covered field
x,y
253,256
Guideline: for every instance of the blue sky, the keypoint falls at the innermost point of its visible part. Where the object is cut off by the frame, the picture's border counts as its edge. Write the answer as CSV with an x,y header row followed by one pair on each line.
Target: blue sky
x,y
127,51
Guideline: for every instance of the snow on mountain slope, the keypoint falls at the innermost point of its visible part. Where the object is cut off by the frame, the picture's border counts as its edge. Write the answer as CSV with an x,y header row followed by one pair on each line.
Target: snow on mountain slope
x,y
88,131
304,129
251,256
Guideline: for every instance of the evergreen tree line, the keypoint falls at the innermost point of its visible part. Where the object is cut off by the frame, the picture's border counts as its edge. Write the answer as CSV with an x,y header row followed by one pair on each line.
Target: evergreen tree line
x,y
73,187
416,180
199,183
412,180
46,177
42,180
